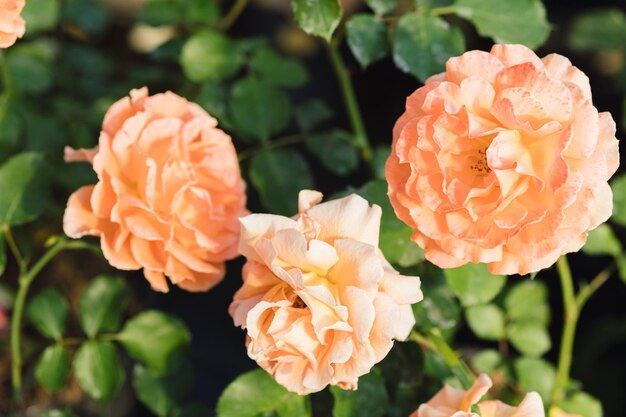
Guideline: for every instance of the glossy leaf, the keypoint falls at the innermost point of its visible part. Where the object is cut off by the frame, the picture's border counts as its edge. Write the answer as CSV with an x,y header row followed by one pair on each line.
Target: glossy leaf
x,y
335,151
535,374
251,111
161,12
528,301
53,367
163,395
209,55
486,321
583,405
98,369
602,241
438,310
367,38
319,17
214,98
519,21
422,44
474,284
278,176
278,70
487,360
156,339
263,396
369,400
601,29
531,339
101,304
311,114
23,188
30,67
40,15
47,311
381,7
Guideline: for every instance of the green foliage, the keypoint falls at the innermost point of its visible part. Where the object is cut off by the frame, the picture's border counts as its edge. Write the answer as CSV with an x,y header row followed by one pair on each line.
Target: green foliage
x,y
381,153
89,16
249,98
30,66
163,395
335,150
369,400
278,70
319,18
535,374
422,44
311,114
3,254
209,55
473,283
98,369
601,29
367,38
278,176
602,241
381,7
263,396
438,310
155,339
101,304
618,185
531,339
40,15
486,321
528,301
582,404
24,185
519,21
53,367
59,413
487,360
47,311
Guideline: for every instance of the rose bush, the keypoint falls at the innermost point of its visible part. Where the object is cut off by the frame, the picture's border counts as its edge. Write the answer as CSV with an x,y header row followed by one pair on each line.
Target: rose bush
x,y
502,159
320,303
169,192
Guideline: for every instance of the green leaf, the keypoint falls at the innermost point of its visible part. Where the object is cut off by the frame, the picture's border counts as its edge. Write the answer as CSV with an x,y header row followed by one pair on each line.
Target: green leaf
x,y
381,7
519,21
202,11
155,339
474,284
101,304
582,404
161,12
528,301
602,241
486,321
3,254
278,176
89,15
30,68
40,15
618,185
53,367
214,98
209,55
98,370
369,400
422,44
381,154
487,360
263,396
335,150
161,394
319,17
531,339
621,267
258,108
535,374
438,310
312,113
47,311
278,70
23,189
602,29
367,38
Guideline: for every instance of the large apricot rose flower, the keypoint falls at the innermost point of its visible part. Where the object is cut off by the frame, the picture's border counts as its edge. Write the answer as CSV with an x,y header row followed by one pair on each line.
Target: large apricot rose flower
x,y
502,159
454,402
12,26
319,301
169,193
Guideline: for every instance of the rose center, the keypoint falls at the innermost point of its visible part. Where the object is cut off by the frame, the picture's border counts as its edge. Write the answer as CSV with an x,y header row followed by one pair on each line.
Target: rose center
x,y
479,164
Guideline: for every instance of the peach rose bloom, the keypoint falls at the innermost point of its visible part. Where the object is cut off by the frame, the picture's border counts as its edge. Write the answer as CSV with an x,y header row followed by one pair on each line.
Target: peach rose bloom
x,y
319,301
502,159
169,193
454,402
12,26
